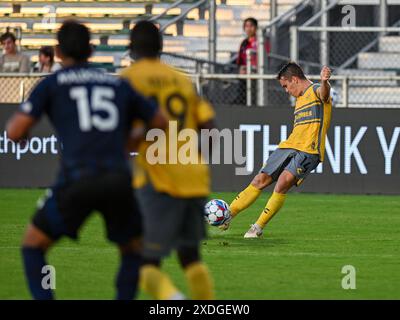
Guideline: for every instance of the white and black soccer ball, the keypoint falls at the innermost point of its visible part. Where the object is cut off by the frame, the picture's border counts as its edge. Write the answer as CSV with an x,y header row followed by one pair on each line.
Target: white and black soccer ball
x,y
216,212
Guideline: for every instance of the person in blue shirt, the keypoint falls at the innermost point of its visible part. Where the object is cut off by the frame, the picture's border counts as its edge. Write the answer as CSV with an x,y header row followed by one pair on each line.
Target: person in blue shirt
x,y
92,113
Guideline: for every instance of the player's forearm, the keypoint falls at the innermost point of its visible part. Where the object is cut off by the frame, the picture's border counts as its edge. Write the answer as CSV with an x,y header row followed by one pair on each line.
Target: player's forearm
x,y
325,90
14,133
18,127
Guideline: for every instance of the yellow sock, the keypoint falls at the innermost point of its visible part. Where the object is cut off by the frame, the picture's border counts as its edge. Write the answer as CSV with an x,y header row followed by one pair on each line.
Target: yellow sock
x,y
273,205
199,281
157,284
244,199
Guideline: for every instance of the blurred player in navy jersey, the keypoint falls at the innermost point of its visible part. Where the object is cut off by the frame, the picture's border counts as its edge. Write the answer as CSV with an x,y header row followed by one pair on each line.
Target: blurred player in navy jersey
x,y
92,113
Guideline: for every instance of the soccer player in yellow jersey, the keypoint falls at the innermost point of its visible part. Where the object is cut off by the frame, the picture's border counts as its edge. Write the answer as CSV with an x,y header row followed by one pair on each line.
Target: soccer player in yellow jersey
x,y
172,195
296,157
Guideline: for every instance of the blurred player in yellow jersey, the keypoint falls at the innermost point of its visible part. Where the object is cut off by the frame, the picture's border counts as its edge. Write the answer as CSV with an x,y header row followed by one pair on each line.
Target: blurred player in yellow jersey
x,y
296,157
172,195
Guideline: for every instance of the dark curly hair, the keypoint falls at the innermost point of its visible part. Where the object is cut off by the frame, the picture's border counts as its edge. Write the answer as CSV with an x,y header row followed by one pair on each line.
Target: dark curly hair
x,y
74,40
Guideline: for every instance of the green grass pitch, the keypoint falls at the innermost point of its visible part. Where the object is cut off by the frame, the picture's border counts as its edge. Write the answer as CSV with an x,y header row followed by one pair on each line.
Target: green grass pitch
x,y
300,257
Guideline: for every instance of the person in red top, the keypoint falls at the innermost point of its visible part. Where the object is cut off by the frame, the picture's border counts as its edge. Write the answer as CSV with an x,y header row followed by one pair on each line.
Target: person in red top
x,y
250,26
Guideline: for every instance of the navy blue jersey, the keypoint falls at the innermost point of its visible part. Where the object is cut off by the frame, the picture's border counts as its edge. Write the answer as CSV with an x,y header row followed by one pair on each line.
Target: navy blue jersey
x,y
92,113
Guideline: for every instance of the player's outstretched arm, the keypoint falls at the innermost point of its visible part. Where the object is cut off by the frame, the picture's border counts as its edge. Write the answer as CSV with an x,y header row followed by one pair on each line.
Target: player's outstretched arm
x,y
325,88
19,125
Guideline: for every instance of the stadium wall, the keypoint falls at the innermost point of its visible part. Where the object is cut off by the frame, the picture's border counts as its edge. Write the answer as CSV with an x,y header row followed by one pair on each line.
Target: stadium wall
x,y
362,156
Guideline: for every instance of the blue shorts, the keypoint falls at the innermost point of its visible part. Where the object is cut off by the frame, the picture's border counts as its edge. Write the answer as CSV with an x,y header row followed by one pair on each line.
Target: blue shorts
x,y
67,206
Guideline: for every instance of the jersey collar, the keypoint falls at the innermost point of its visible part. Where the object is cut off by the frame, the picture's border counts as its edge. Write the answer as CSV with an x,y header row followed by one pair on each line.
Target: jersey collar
x,y
312,83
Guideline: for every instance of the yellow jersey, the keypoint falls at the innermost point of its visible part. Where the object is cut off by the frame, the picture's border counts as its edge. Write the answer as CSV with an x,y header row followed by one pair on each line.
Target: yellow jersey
x,y
178,100
312,118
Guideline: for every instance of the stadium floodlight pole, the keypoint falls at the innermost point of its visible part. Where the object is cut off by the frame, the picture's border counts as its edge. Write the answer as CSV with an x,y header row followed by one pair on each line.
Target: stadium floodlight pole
x,y
249,52
197,82
22,91
324,53
260,65
212,34
294,43
273,30
273,9
345,90
18,34
383,13
294,49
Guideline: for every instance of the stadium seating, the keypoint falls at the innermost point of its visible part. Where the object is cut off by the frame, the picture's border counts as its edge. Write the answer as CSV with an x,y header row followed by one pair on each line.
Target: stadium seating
x,y
110,21
384,62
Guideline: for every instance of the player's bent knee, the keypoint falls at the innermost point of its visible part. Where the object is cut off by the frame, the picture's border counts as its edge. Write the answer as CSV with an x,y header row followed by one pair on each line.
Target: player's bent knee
x,y
188,255
283,186
281,189
261,180
285,182
35,238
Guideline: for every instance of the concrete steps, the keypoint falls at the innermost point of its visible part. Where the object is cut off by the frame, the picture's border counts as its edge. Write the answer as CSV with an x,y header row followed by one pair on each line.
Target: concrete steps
x,y
389,44
379,60
373,96
370,73
106,17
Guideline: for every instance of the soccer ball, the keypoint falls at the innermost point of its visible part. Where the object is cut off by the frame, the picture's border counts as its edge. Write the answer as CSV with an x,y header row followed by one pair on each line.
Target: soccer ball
x,y
216,212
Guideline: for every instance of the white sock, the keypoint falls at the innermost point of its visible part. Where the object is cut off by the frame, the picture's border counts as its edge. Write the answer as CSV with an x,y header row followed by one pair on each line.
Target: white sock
x,y
178,296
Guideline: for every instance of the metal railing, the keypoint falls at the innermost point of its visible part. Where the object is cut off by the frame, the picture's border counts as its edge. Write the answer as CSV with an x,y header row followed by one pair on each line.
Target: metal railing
x,y
14,87
165,12
235,89
250,79
198,63
271,28
271,31
322,38
323,11
366,48
359,37
286,16
183,14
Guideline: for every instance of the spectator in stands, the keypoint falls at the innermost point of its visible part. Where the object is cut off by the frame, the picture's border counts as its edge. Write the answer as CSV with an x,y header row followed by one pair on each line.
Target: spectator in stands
x,y
250,26
12,60
46,63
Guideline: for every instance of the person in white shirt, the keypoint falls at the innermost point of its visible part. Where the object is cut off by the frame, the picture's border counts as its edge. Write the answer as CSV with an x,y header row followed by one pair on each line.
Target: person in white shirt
x,y
46,63
11,60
